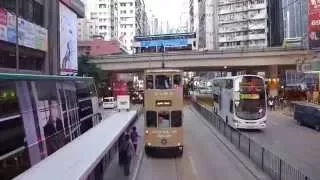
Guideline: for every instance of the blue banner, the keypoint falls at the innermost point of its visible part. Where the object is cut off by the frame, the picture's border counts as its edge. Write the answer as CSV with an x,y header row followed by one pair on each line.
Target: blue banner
x,y
166,43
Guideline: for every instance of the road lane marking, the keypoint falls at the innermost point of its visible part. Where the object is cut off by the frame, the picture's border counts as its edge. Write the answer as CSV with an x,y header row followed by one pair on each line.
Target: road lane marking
x,y
193,167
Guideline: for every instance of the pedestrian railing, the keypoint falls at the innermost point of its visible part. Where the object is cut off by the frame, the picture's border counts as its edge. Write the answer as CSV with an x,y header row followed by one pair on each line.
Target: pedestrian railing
x,y
273,165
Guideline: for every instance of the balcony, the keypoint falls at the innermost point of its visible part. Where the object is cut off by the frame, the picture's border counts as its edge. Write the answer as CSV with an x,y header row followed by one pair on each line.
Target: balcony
x,y
233,10
233,29
225,2
262,15
257,36
257,26
257,6
232,38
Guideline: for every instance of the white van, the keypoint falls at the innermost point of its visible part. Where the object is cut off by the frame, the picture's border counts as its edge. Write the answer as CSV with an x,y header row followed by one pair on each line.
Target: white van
x,y
123,102
109,103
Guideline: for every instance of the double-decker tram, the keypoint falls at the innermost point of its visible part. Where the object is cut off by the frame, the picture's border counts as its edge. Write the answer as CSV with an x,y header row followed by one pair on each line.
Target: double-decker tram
x,y
241,101
39,114
163,104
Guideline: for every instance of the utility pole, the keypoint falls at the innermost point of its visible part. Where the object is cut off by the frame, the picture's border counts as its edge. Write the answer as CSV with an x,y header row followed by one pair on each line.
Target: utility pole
x,y
17,36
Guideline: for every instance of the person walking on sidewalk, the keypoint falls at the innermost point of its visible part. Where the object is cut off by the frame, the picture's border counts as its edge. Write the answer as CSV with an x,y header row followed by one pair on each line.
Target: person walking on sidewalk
x,y
134,137
126,153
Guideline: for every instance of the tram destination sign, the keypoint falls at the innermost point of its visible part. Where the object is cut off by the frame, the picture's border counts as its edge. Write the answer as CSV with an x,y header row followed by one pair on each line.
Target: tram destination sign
x,y
163,103
249,96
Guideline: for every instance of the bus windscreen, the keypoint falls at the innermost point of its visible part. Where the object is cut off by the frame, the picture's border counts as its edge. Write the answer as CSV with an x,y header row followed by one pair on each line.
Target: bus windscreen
x,y
252,103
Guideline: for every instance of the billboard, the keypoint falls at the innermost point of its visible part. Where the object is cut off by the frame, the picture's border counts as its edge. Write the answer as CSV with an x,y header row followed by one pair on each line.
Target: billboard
x,y
30,35
314,24
166,43
68,41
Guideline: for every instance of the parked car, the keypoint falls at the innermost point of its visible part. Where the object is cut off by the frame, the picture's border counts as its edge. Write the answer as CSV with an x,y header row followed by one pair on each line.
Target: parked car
x,y
109,103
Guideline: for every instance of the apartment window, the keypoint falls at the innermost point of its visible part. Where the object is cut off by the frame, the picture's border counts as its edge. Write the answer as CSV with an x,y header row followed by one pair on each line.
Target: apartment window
x,y
102,5
131,11
131,4
38,13
123,4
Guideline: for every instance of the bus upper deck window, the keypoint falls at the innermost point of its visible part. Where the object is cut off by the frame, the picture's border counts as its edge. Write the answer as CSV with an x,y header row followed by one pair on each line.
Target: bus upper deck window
x,y
164,119
176,119
151,117
177,80
163,82
149,82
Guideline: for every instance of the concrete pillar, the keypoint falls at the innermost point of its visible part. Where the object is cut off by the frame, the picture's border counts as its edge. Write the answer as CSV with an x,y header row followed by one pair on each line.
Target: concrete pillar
x,y
273,83
52,21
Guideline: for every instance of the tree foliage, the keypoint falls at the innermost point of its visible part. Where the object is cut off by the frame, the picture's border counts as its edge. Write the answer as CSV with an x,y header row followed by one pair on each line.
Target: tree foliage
x,y
89,69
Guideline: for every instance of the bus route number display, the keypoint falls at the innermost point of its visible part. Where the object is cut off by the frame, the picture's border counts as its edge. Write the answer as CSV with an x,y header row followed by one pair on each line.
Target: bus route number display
x,y
163,103
249,96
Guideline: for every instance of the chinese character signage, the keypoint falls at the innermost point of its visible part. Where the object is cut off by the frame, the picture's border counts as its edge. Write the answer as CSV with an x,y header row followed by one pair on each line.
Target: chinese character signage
x,y
30,35
314,24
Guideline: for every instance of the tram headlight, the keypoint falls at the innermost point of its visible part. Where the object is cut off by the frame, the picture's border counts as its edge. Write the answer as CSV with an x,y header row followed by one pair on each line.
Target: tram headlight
x,y
147,132
179,144
149,143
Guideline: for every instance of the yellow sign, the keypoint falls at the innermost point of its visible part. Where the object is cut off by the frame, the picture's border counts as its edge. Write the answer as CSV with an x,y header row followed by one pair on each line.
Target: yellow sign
x,y
249,96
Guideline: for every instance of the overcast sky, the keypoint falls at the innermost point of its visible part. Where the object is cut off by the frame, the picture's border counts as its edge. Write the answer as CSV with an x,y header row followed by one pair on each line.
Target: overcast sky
x,y
168,9
165,9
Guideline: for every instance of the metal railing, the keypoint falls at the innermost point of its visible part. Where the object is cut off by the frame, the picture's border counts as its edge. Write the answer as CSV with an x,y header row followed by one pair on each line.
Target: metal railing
x,y
273,165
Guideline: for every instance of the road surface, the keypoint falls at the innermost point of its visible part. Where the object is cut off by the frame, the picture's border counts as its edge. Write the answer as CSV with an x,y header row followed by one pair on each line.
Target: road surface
x,y
204,157
298,145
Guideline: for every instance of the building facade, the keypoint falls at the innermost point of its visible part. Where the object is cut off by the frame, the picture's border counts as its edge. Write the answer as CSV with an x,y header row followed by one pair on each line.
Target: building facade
x,y
275,15
201,30
102,13
87,29
39,49
295,18
243,24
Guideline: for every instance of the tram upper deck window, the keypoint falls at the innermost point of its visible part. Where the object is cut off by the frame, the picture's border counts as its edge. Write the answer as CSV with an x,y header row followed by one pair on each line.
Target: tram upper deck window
x,y
176,119
151,117
149,82
177,80
164,119
163,82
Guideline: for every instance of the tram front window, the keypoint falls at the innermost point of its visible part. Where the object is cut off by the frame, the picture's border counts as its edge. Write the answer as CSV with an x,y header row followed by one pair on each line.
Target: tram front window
x,y
163,82
252,100
164,119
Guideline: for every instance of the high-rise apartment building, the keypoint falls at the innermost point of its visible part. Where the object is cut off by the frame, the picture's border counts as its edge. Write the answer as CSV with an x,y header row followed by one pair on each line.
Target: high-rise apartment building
x,y
101,12
242,23
119,19
295,16
87,29
201,30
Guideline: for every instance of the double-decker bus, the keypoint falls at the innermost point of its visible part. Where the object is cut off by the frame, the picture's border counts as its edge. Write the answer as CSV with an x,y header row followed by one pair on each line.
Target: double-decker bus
x,y
163,104
39,114
241,101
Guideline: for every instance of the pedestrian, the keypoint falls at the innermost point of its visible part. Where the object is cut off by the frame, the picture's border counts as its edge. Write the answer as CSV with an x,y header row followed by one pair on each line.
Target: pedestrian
x,y
127,151
134,137
121,141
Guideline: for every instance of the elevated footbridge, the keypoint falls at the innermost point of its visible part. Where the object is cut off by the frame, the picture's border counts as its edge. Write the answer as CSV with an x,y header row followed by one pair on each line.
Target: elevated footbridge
x,y
194,60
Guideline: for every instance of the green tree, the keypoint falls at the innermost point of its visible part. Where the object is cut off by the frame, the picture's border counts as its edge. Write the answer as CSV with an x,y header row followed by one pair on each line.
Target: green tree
x,y
85,68
89,69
